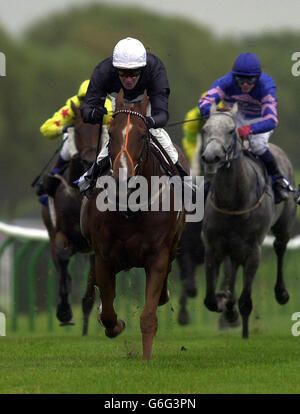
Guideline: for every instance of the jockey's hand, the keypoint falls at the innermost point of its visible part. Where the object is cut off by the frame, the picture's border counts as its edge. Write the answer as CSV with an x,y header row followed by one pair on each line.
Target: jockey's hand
x,y
150,122
97,114
245,131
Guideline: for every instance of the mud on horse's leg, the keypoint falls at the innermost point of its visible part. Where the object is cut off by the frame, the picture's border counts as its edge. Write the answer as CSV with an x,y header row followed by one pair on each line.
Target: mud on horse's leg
x,y
281,292
106,282
61,256
89,296
212,265
245,301
156,274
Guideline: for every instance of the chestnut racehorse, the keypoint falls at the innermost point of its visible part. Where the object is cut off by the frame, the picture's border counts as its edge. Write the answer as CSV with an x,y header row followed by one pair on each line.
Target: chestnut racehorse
x,y
121,240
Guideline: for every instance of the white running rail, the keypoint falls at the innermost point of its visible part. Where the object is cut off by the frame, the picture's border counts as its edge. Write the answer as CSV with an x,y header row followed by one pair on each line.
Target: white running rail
x,y
23,232
39,234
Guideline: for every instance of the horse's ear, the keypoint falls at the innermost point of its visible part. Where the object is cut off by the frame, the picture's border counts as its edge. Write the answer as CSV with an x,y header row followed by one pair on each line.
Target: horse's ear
x,y
75,109
213,108
144,103
234,109
119,99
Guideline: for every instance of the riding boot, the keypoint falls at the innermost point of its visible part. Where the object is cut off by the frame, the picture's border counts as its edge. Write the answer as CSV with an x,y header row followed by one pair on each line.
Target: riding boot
x,y
281,185
88,180
49,182
183,173
181,170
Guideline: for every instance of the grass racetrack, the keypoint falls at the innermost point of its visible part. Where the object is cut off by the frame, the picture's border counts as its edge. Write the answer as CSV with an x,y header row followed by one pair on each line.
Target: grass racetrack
x,y
195,359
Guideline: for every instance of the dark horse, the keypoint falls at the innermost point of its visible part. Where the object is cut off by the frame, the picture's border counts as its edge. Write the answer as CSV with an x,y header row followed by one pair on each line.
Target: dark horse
x,y
239,212
62,219
121,241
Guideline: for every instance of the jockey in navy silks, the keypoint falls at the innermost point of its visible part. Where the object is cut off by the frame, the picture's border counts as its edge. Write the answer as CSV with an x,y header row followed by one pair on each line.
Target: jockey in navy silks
x,y
255,93
134,70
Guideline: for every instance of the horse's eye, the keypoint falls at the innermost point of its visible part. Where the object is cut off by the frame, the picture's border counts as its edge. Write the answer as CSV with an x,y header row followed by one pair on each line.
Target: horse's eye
x,y
231,131
203,131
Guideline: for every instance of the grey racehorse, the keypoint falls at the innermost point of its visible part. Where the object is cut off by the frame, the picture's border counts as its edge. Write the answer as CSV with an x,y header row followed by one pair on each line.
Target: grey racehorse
x,y
239,212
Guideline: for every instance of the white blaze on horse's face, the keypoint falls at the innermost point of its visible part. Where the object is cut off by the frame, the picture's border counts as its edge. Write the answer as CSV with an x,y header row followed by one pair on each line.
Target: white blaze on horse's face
x,y
217,136
124,162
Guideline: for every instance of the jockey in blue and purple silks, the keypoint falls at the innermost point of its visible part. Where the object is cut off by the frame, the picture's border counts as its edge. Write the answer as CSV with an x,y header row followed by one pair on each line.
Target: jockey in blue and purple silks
x,y
255,93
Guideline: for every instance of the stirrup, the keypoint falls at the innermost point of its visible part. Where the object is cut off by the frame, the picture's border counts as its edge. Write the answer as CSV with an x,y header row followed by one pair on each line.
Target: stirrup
x,y
281,188
87,182
297,195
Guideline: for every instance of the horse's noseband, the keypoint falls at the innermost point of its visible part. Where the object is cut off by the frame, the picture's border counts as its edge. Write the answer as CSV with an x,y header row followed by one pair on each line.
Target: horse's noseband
x,y
128,111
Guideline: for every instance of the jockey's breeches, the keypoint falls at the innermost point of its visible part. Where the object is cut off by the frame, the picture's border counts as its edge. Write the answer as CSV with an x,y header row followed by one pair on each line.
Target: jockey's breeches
x,y
258,143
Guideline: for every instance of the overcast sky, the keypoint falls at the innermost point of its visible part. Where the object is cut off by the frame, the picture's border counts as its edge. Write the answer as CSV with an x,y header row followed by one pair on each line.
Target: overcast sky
x,y
235,17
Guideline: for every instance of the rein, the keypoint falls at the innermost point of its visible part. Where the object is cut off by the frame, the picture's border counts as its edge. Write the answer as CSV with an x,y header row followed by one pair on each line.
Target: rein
x,y
237,212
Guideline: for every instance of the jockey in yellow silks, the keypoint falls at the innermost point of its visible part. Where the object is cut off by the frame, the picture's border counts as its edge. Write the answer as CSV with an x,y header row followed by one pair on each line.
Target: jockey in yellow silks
x,y
65,116
61,122
192,128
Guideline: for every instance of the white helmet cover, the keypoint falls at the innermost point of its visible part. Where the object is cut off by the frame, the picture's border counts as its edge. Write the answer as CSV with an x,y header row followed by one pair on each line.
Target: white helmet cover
x,y
129,53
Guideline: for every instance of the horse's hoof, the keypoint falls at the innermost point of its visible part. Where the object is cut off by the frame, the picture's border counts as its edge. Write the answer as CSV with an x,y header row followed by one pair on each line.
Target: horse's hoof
x,y
229,319
183,317
64,314
70,322
191,292
164,298
211,305
282,296
190,288
112,333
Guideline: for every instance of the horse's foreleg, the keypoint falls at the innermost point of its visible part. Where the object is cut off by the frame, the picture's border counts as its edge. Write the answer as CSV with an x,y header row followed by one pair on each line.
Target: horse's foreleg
x,y
281,292
106,282
245,301
61,255
89,296
156,273
187,275
212,265
230,314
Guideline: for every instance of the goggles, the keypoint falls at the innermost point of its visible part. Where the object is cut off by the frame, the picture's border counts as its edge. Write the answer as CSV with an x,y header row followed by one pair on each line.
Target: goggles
x,y
129,73
250,80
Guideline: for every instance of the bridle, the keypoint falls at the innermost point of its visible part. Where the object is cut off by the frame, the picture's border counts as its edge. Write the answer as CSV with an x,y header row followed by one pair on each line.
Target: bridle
x,y
231,153
135,168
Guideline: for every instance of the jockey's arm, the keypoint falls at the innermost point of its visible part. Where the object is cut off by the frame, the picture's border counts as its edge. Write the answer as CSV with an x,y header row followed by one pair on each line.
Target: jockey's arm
x,y
269,119
94,100
64,116
159,108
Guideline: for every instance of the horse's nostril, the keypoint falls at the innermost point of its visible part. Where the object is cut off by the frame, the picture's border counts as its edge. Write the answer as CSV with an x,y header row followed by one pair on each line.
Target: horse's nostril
x,y
210,159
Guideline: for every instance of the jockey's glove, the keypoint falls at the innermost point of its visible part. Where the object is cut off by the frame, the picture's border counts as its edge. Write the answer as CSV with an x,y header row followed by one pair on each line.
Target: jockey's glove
x,y
150,122
245,131
97,114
